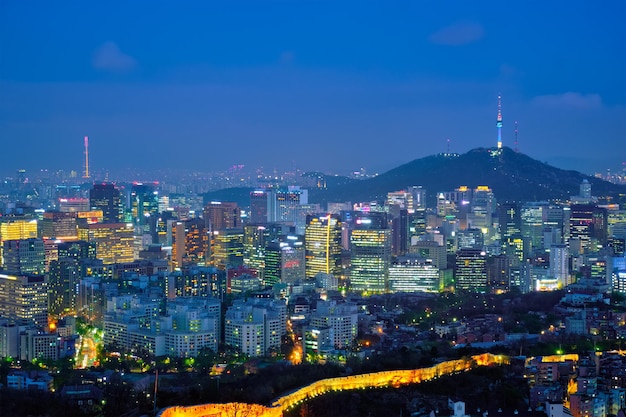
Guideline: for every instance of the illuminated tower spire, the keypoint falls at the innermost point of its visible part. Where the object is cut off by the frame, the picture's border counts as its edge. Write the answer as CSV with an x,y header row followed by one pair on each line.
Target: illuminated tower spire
x,y
499,122
86,157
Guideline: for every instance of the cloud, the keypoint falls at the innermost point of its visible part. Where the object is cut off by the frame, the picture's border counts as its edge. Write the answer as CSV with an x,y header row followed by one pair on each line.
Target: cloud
x,y
457,34
569,100
109,57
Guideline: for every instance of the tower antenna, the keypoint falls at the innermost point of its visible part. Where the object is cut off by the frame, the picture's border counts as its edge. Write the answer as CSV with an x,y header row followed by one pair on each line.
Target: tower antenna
x,y
86,176
516,149
448,148
499,121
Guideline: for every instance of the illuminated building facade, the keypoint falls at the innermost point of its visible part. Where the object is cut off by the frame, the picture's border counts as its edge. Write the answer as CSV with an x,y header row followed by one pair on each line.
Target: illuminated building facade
x,y
255,239
59,225
24,297
196,281
73,205
588,225
24,256
190,243
219,215
559,264
370,250
114,241
259,206
341,320
285,260
255,326
107,197
287,204
11,229
510,222
532,217
411,274
144,204
470,272
227,248
323,245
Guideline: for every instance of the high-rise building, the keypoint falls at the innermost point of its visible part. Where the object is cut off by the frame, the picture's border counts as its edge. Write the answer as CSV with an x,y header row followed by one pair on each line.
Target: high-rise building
x,y
470,272
114,241
588,225
221,215
190,243
284,260
24,256
412,274
196,281
59,225
287,204
341,319
510,223
227,248
144,204
532,225
256,326
107,197
259,206
559,264
15,229
323,245
370,250
24,297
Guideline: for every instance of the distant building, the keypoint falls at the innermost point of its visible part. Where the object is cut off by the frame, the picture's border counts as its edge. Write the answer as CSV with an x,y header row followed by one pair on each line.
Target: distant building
x,y
470,272
107,197
222,215
323,245
24,256
24,297
412,274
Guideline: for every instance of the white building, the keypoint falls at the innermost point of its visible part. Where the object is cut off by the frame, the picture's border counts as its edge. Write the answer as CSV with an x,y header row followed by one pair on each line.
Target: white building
x,y
340,318
255,326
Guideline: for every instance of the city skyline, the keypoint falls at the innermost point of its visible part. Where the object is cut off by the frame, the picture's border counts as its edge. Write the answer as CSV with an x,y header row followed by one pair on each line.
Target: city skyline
x,y
312,84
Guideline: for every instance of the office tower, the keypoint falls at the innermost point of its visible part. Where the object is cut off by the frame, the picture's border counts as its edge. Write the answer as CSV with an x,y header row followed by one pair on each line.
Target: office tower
x,y
419,196
287,203
532,225
222,215
58,225
227,249
24,297
498,274
510,221
341,319
370,249
323,245
12,229
470,272
196,281
259,206
285,260
255,238
402,199
432,251
73,205
483,204
470,238
114,241
412,274
255,327
144,204
588,225
24,256
190,243
418,224
400,233
108,198
65,274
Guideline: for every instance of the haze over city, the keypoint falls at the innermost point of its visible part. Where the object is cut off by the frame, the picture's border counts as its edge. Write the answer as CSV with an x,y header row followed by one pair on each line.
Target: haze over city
x,y
315,85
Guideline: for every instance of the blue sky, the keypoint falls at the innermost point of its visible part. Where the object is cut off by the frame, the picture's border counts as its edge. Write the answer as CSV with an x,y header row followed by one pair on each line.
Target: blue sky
x,y
323,85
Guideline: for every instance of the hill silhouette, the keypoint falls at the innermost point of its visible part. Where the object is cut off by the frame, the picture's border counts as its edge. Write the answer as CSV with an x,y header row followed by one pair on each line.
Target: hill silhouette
x,y
511,175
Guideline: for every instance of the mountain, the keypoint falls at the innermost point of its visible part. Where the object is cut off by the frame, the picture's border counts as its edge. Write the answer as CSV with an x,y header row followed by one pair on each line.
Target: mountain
x,y
513,176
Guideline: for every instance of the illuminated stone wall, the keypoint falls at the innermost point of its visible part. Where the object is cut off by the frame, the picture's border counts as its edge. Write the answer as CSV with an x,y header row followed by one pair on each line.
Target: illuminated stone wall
x,y
384,379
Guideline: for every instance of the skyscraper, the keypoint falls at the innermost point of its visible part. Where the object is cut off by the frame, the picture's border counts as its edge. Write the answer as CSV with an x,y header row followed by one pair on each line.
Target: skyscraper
x,y
107,197
190,243
370,250
114,241
15,229
24,256
24,297
470,272
221,215
323,245
284,260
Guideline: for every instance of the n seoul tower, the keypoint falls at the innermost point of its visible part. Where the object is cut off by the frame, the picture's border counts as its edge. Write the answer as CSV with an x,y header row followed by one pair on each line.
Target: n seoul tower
x,y
499,122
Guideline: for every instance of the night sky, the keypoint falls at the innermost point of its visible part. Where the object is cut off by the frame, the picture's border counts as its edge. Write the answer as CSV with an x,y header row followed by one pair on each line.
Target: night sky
x,y
326,85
